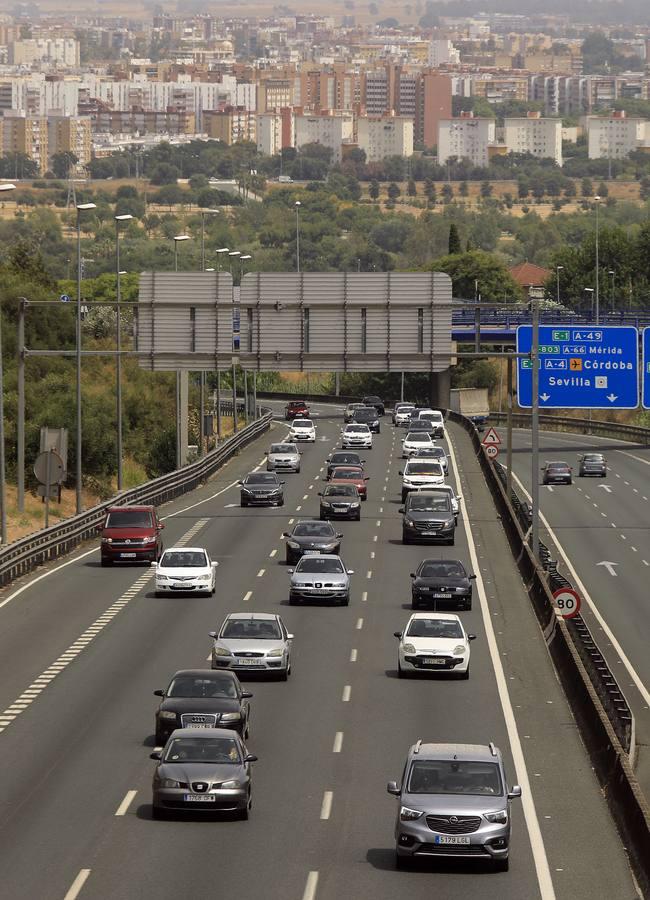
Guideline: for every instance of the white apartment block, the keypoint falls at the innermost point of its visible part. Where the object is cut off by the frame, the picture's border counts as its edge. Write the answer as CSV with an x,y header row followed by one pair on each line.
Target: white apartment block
x,y
59,51
385,136
465,138
442,53
613,137
330,131
534,135
269,133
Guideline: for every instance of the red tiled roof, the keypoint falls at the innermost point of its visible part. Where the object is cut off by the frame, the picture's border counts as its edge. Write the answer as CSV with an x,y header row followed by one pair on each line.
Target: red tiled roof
x,y
528,274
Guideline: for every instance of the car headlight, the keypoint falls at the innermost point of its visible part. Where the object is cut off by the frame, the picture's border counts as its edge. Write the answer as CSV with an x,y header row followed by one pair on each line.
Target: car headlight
x,y
222,651
449,523
294,545
354,505
407,814
408,520
460,590
460,650
231,717
107,540
325,503
230,785
408,648
169,783
277,652
328,548
162,578
167,716
150,540
500,817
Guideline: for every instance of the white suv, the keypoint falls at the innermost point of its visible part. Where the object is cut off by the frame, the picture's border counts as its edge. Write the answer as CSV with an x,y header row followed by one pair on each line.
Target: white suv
x,y
356,434
421,473
302,430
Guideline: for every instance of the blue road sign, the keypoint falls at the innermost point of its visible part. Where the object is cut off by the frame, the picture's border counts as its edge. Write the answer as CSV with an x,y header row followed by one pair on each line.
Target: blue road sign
x,y
64,298
581,368
645,362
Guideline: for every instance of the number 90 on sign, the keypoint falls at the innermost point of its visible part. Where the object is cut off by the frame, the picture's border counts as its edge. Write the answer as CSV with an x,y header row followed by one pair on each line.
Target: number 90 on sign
x,y
567,602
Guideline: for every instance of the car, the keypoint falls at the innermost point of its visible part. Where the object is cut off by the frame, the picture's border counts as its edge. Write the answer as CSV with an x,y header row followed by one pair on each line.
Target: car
x,y
434,643
557,472
402,414
436,453
185,570
302,430
340,501
441,579
454,801
283,458
367,415
427,516
377,402
253,642
320,577
261,489
202,698
130,534
451,493
414,442
311,537
479,422
421,473
592,464
351,475
424,425
204,770
349,411
296,409
343,458
356,435
435,418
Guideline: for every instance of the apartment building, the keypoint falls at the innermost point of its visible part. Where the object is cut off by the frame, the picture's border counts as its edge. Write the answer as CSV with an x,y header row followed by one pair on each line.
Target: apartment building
x,y
275,130
230,125
499,88
384,136
274,93
535,135
70,134
615,136
27,135
53,51
329,130
467,137
442,53
143,122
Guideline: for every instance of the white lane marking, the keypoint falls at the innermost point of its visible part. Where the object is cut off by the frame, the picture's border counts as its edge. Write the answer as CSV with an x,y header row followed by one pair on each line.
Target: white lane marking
x,y
550,487
272,554
261,572
369,573
326,805
124,805
542,869
338,742
645,562
347,693
375,537
372,554
381,509
305,497
359,624
247,596
77,884
291,521
364,596
378,523
354,653
298,508
646,462
310,888
645,693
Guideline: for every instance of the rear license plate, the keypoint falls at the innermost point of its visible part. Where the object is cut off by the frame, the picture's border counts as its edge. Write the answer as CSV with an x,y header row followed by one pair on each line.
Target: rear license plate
x,y
199,798
442,596
433,661
128,555
451,839
248,662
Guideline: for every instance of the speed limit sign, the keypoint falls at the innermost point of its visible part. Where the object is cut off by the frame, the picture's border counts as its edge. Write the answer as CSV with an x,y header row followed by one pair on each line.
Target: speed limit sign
x,y
567,602
492,451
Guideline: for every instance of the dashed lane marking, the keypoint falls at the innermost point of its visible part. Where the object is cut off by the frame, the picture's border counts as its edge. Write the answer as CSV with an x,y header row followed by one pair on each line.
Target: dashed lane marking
x,y
124,805
77,884
347,693
338,742
326,805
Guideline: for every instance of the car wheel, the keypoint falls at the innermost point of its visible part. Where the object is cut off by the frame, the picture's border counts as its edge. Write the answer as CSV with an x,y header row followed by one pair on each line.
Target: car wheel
x,y
464,675
502,865
364,497
244,504
157,813
415,604
467,605
158,593
400,674
402,862
292,601
357,518
405,538
242,814
160,739
346,601
289,559
404,496
283,675
451,541
107,562
298,471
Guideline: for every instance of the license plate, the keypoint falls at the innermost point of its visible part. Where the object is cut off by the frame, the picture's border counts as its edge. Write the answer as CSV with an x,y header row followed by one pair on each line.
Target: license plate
x,y
311,552
128,555
249,662
182,587
199,798
433,661
442,596
197,725
451,839
320,591
429,533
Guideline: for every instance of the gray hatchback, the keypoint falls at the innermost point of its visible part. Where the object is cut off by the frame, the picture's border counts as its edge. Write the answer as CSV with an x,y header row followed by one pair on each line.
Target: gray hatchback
x,y
453,801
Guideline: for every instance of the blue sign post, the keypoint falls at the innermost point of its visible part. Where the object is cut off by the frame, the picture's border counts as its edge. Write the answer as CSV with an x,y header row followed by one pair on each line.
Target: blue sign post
x,y
645,378
581,368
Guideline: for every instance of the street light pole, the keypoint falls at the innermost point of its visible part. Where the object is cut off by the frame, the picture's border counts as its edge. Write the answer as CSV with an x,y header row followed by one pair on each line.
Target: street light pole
x,y
81,207
118,324
297,235
219,252
612,275
558,270
204,213
590,291
3,492
597,199
182,385
534,356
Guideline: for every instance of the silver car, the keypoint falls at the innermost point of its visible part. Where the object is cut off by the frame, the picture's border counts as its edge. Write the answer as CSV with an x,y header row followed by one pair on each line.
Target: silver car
x,y
206,769
320,577
453,801
283,458
254,642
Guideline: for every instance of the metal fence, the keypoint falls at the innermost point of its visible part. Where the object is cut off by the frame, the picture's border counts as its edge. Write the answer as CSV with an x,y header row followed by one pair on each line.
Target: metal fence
x,y
597,427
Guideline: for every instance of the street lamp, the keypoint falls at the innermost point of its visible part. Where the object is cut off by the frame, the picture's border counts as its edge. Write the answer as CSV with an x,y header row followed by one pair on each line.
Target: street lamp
x,y
81,208
177,239
558,270
591,292
597,200
612,275
204,213
219,252
297,205
118,272
3,504
243,260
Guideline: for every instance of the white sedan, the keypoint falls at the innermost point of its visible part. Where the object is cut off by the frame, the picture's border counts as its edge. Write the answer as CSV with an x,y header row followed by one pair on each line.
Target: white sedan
x,y
185,570
302,430
356,434
414,442
434,643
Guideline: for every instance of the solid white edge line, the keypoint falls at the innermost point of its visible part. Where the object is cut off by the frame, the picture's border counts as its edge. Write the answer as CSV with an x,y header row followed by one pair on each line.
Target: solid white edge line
x,y
124,805
643,690
77,884
310,888
544,880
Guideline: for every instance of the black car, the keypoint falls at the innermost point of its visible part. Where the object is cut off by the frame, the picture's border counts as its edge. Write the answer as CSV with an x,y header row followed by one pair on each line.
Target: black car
x,y
445,580
261,489
202,698
424,425
343,458
367,415
592,464
557,473
428,516
371,400
340,501
311,537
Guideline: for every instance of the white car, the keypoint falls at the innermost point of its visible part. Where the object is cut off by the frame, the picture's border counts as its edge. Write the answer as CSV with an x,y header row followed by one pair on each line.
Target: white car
x,y
453,496
356,435
402,414
185,570
421,473
434,642
414,442
252,641
302,430
436,418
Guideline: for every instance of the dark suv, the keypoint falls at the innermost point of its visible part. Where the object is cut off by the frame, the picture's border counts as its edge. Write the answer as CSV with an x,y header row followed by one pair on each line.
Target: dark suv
x,y
131,533
427,516
371,400
296,409
367,415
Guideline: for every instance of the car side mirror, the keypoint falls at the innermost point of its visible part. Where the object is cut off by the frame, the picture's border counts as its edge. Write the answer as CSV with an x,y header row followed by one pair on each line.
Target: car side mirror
x,y
246,695
401,510
215,565
514,792
412,574
400,472
240,482
213,634
392,788
471,637
283,482
290,571
289,637
153,564
320,493
366,477
161,525
472,577
339,534
155,755
159,693
350,571
250,757
285,534
266,453
398,634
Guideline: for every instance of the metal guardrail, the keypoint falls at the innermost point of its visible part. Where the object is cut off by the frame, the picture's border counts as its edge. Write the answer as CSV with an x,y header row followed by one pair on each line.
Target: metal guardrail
x,y
636,433
34,550
510,319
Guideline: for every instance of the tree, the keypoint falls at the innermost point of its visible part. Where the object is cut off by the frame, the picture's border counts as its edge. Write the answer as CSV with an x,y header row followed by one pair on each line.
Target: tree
x,y
494,280
393,191
644,188
165,173
447,193
454,240
412,188
62,163
463,189
430,190
373,190
169,195
587,187
570,189
603,190
523,187
486,190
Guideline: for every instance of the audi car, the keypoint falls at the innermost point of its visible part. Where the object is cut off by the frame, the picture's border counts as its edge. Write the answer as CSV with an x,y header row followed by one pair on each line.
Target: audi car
x,y
322,577
311,537
557,473
356,435
340,501
302,430
434,643
261,489
201,698
283,458
185,570
441,580
253,642
427,516
592,464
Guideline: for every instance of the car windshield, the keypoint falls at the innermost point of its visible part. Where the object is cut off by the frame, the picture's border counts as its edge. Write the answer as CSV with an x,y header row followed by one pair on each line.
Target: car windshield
x,y
418,437
363,429
128,519
594,457
364,413
441,569
181,559
261,478
313,529
283,448
420,503
297,404
202,686
347,473
339,459
423,468
319,565
443,776
203,750
340,490
303,423
251,629
435,628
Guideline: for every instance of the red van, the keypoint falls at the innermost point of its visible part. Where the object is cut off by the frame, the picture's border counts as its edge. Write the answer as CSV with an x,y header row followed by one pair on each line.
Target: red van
x,y
131,533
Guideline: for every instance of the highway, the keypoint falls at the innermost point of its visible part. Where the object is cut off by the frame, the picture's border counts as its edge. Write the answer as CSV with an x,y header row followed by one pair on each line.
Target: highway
x,y
603,527
83,648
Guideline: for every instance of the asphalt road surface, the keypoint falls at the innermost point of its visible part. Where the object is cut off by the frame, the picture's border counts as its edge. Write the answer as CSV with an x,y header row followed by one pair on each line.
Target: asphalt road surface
x,y
82,649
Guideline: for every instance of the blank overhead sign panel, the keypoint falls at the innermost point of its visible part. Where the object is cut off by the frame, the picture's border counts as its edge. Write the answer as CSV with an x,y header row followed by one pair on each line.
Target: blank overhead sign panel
x,y
372,322
185,321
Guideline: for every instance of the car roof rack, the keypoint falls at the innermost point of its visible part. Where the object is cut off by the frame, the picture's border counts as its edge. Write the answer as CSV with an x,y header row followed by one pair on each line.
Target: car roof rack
x,y
493,749
418,744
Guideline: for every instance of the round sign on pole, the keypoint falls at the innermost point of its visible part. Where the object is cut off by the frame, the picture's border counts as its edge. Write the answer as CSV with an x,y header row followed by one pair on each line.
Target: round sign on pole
x,y
56,467
64,298
492,451
567,602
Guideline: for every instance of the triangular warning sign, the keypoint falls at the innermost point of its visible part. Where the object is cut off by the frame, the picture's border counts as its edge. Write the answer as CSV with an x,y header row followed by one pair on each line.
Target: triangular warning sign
x,y
491,437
